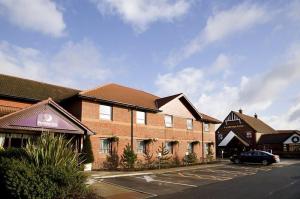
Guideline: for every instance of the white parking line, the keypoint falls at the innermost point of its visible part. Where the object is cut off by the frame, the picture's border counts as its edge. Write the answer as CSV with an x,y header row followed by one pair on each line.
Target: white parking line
x,y
234,173
153,180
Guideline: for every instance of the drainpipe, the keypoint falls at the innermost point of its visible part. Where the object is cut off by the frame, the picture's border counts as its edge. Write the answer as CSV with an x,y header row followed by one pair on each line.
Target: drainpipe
x,y
131,128
202,140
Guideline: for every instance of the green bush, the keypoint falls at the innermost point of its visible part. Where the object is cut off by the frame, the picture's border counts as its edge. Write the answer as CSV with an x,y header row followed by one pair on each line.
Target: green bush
x,y
52,150
47,169
16,153
191,158
19,179
112,161
164,160
128,158
87,151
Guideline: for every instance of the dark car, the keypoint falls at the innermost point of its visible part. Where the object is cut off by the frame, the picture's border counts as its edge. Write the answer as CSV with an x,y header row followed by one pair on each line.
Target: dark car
x,y
263,157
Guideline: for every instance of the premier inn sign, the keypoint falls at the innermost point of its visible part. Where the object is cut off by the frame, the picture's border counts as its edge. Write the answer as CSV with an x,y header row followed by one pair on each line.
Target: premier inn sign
x,y
47,120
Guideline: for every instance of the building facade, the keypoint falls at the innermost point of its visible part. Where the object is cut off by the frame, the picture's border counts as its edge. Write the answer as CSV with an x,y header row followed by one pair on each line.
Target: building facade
x,y
115,116
240,132
120,115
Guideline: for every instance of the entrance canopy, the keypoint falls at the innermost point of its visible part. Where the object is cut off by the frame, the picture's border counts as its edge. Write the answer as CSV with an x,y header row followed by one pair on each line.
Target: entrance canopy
x,y
41,117
229,137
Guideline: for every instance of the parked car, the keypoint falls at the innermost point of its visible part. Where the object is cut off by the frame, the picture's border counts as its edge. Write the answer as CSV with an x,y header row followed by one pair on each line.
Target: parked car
x,y
263,157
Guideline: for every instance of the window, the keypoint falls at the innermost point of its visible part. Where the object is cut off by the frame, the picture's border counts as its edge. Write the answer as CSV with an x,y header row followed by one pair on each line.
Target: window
x,y
206,127
189,124
105,112
141,146
105,146
249,135
168,121
190,148
169,147
140,117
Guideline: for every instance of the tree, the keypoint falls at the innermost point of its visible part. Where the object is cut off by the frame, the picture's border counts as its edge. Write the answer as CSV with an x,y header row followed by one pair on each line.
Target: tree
x,y
164,152
128,157
87,152
148,159
190,158
112,161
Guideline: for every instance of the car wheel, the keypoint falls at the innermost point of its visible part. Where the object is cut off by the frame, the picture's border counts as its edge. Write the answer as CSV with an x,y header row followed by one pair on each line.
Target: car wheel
x,y
237,161
265,162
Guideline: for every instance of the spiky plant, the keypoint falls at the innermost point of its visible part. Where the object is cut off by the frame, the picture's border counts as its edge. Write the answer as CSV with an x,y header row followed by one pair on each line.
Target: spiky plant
x,y
53,151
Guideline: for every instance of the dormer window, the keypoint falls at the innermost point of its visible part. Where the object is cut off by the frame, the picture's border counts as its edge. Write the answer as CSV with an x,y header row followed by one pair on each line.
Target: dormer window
x,y
168,120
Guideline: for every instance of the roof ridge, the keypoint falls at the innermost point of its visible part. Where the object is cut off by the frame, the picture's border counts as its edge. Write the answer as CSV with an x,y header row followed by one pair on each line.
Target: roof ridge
x,y
40,82
119,85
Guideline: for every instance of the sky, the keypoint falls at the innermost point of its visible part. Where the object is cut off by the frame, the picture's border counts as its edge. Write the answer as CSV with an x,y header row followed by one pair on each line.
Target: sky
x,y
223,55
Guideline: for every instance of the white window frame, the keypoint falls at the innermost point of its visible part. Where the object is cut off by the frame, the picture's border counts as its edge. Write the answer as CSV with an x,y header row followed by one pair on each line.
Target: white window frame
x,y
140,117
106,149
168,124
140,146
189,126
206,127
105,112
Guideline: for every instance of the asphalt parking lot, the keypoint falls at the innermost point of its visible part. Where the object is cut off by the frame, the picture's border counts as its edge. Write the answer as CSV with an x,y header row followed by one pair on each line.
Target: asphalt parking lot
x,y
176,181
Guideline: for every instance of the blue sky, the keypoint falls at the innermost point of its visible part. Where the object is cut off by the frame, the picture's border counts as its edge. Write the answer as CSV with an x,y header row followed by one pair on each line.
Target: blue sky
x,y
224,55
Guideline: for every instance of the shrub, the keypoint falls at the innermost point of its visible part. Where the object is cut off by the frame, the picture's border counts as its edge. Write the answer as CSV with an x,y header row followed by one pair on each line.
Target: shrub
x,y
47,169
87,153
165,157
149,161
52,150
19,179
128,158
16,153
112,161
176,161
191,158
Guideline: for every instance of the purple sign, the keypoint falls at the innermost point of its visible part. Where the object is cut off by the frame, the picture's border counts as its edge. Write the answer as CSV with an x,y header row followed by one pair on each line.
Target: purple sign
x,y
47,120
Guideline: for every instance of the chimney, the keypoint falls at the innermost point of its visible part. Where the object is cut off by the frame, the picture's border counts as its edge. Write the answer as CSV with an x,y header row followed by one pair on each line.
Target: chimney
x,y
241,111
255,115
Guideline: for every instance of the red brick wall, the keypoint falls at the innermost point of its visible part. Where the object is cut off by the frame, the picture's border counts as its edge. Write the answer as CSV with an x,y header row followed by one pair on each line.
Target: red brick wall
x,y
120,126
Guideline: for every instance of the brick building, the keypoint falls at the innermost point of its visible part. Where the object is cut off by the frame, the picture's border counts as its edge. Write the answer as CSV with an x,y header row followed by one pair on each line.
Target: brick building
x,y
241,132
119,115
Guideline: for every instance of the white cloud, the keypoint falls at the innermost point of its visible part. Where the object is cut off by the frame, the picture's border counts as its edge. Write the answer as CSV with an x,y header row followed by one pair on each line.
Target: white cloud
x,y
221,25
78,65
141,13
290,119
254,94
36,15
188,81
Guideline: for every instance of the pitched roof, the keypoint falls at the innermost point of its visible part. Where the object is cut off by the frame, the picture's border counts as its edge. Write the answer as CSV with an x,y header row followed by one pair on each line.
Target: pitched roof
x,y
256,123
123,95
4,110
29,114
164,100
207,118
276,138
33,90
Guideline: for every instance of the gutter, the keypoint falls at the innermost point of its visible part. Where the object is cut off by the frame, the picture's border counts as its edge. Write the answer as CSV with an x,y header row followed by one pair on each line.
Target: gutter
x,y
119,103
